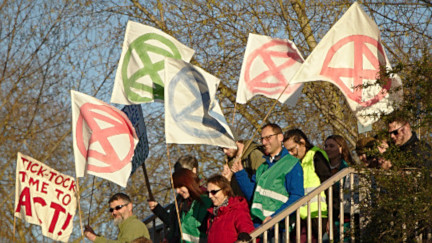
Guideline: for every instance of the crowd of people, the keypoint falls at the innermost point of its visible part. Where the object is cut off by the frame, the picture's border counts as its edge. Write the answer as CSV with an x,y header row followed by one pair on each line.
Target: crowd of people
x,y
258,181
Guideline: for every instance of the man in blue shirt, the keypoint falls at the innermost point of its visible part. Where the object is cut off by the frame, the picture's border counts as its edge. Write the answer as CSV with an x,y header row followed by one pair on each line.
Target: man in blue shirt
x,y
278,182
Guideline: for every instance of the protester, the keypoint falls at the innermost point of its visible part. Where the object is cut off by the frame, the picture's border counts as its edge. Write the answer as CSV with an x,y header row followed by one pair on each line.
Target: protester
x,y
130,227
382,146
251,159
316,170
340,158
191,163
413,153
187,162
192,206
229,215
365,152
280,174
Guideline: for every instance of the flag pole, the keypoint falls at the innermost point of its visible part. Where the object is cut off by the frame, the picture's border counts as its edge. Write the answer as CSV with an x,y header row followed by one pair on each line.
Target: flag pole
x,y
91,199
14,224
234,111
147,181
79,207
173,190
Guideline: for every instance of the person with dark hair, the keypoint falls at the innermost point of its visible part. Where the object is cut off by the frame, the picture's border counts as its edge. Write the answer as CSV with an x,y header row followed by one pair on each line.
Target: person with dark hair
x,y
130,227
413,153
229,215
280,175
192,206
365,152
340,158
250,157
316,170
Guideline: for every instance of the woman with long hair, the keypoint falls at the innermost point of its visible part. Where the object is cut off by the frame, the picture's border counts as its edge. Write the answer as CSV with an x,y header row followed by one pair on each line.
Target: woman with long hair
x,y
193,205
338,152
340,158
229,218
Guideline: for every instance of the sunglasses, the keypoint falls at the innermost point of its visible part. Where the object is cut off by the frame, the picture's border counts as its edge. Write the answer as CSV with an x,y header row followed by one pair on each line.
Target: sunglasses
x,y
396,131
117,208
213,192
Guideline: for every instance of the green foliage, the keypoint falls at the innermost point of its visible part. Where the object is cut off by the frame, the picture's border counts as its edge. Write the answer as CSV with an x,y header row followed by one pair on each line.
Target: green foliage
x,y
399,199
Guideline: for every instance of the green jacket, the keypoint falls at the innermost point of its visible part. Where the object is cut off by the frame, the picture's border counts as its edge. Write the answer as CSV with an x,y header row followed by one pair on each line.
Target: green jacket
x,y
129,230
270,192
194,221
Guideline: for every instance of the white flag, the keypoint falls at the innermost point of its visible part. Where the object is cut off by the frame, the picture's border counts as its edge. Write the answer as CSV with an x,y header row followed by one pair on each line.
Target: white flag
x,y
350,56
140,69
45,197
192,113
104,139
268,66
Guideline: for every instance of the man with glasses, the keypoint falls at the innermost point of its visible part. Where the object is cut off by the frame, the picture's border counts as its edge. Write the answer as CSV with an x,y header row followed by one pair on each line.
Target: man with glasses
x,y
414,153
130,227
316,169
277,183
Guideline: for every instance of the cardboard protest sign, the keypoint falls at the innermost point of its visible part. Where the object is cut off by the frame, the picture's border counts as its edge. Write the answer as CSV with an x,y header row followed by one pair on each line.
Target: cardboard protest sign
x,y
192,113
104,139
268,66
350,56
140,69
45,197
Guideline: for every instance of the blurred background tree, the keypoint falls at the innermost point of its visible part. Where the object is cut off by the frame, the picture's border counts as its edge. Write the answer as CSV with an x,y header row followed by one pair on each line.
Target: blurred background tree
x,y
51,47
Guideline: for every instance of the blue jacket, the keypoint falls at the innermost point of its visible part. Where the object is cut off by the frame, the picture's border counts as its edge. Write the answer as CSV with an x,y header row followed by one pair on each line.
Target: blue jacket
x,y
293,181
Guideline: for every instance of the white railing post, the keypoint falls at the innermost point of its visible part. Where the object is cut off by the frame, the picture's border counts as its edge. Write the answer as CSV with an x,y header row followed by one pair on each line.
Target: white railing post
x,y
306,200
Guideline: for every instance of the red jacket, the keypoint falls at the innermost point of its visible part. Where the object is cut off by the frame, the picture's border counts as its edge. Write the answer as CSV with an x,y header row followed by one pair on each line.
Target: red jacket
x,y
229,221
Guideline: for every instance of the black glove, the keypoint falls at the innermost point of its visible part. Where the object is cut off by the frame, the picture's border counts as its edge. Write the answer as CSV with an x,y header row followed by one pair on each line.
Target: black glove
x,y
87,228
243,236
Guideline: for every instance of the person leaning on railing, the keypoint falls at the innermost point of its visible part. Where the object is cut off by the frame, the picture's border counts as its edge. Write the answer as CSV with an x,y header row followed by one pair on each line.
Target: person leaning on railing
x,y
340,158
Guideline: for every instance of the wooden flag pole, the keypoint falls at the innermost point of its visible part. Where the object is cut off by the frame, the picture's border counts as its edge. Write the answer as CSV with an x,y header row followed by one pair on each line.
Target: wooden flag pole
x,y
175,198
14,224
91,199
79,207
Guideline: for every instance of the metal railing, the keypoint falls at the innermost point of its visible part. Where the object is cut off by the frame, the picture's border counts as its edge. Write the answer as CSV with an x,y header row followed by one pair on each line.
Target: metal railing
x,y
156,227
273,223
351,191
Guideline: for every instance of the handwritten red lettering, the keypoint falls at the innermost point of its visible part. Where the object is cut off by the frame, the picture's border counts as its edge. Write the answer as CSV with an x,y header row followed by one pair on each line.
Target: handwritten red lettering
x,y
33,182
57,209
52,175
24,160
64,183
24,201
41,171
66,199
72,186
23,175
59,182
32,166
59,193
44,187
